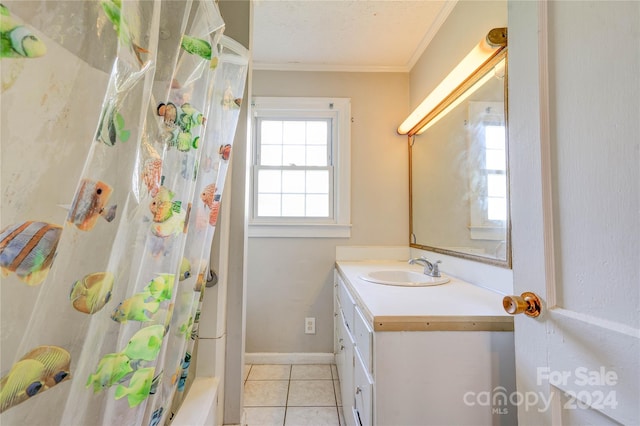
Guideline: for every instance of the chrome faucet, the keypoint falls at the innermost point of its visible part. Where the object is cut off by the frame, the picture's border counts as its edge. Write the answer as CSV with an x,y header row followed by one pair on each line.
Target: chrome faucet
x,y
430,268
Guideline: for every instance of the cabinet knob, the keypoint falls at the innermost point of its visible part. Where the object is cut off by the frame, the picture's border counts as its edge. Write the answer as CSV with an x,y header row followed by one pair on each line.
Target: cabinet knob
x,y
341,347
358,390
528,303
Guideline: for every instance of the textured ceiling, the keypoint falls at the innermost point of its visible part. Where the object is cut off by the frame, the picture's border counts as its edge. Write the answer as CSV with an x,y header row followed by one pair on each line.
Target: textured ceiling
x,y
358,35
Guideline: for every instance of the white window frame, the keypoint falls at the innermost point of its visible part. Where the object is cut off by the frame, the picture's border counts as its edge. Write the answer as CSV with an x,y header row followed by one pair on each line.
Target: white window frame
x,y
338,110
481,228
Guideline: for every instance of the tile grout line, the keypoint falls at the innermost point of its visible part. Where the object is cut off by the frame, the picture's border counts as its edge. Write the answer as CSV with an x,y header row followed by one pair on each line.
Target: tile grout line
x,y
335,395
286,402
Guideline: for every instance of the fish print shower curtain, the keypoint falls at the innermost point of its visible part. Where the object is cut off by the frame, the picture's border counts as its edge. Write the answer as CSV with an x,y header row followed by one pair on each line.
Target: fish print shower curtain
x,y
118,118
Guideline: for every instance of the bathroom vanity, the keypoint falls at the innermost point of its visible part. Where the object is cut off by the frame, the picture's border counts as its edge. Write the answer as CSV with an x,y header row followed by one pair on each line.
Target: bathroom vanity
x,y
427,355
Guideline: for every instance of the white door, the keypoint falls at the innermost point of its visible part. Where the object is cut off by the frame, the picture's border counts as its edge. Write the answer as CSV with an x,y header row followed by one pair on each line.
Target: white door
x,y
574,127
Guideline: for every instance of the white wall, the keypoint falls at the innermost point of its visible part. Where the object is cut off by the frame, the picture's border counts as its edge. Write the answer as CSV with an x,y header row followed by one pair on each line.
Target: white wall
x,y
292,278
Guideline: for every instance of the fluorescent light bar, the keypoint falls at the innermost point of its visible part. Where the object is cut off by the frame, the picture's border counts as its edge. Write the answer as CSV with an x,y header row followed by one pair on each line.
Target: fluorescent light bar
x,y
482,52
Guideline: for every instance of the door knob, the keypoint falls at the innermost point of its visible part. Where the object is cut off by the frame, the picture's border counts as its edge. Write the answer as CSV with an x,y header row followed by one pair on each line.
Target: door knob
x,y
528,303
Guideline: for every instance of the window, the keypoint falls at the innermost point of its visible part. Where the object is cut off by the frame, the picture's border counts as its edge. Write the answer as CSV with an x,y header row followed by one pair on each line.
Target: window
x,y
300,172
488,186
495,168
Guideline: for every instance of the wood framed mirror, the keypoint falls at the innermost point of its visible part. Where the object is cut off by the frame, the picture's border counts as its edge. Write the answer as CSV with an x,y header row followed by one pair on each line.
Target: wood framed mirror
x,y
458,169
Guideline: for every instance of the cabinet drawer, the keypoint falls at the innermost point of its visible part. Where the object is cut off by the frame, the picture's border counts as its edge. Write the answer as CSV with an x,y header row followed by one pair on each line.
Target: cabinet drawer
x,y
346,302
363,336
363,388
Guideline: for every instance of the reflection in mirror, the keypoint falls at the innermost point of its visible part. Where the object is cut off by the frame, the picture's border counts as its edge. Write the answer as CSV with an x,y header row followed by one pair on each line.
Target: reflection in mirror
x,y
459,174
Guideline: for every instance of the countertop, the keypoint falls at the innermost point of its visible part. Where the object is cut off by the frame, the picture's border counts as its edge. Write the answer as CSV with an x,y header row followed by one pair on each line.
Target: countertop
x,y
454,306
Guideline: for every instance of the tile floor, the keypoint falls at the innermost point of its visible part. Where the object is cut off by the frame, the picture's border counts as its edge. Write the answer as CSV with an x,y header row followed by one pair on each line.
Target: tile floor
x,y
292,395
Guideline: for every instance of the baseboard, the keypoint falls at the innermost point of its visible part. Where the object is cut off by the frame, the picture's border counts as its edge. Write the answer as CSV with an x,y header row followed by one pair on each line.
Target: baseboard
x,y
289,358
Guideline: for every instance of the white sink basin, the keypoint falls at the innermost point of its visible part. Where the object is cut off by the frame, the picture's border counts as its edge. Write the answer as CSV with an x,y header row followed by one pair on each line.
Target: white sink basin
x,y
403,278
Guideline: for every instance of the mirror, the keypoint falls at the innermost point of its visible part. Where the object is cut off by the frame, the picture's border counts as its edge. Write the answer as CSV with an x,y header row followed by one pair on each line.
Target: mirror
x,y
459,180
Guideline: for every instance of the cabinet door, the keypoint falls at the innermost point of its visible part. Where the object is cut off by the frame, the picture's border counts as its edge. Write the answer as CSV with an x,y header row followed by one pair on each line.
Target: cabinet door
x,y
340,342
364,340
344,364
363,390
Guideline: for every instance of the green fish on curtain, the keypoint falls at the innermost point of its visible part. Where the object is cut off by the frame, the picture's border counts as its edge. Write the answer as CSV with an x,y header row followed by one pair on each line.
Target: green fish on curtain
x,y
111,369
185,269
141,306
139,388
111,127
16,40
145,344
199,47
136,308
40,369
161,287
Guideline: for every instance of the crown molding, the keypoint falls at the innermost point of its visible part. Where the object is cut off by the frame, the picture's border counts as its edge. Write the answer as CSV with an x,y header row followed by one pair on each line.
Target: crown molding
x,y
447,7
265,66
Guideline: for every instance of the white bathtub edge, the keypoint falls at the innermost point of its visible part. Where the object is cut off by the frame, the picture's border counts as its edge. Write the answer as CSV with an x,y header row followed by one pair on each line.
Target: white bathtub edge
x,y
199,405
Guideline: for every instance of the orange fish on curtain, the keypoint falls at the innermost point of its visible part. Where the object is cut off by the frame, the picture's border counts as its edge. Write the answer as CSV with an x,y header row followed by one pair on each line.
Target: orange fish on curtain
x,y
90,203
169,217
178,122
28,249
225,151
211,200
92,292
152,169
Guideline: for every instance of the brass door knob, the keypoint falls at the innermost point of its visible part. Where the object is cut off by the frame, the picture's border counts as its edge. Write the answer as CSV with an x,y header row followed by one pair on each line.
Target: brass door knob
x,y
528,303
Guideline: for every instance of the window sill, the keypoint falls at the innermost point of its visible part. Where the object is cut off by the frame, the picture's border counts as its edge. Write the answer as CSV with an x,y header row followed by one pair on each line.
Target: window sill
x,y
492,233
299,231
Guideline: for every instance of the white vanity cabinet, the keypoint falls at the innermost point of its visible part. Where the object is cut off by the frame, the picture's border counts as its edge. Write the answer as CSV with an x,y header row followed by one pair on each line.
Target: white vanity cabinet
x,y
354,339
421,368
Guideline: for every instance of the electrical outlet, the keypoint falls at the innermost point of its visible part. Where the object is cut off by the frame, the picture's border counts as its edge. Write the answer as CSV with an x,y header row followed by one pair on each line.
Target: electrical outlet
x,y
309,325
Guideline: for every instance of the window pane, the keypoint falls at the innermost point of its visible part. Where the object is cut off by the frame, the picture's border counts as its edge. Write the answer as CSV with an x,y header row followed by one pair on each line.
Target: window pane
x,y
292,205
317,182
269,181
496,185
293,155
293,132
495,159
316,132
269,205
494,137
316,155
293,181
271,155
271,132
497,209
317,205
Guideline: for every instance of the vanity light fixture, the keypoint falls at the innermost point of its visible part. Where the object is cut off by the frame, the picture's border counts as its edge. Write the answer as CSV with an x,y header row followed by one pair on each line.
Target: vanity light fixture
x,y
486,53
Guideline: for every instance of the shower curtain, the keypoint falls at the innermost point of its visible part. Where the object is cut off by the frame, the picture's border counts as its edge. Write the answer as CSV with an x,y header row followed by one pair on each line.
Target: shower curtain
x,y
118,118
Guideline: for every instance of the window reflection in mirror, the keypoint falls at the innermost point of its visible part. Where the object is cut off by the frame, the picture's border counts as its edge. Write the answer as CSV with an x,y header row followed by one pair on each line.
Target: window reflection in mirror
x,y
459,174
